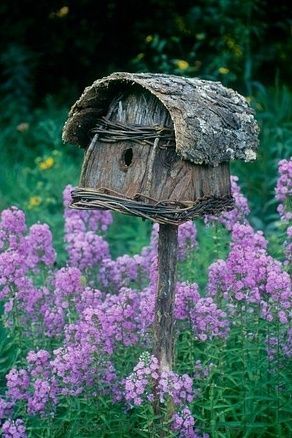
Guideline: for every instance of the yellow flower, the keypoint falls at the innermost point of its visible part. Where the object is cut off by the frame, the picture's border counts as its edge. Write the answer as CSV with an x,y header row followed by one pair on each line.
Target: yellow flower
x,y
22,127
233,46
34,201
47,163
149,38
62,12
83,280
182,64
140,56
200,36
223,70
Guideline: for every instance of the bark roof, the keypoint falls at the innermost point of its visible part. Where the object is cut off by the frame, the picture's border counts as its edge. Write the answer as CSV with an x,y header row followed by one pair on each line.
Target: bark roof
x,y
212,123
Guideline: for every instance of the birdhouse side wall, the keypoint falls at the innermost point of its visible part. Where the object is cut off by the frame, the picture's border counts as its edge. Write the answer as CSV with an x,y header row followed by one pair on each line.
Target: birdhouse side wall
x,y
156,174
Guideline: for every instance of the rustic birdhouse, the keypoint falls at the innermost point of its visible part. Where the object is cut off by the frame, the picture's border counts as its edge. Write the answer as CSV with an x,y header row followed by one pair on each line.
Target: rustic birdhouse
x,y
159,146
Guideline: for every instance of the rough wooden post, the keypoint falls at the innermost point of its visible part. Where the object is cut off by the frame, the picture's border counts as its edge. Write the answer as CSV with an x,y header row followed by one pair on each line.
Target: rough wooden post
x,y
164,303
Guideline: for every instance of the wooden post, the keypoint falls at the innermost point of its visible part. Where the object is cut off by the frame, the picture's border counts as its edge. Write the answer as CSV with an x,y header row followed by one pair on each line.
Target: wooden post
x,y
164,304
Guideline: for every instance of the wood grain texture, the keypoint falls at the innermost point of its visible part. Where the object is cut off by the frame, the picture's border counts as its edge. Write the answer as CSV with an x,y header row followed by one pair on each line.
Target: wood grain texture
x,y
156,171
213,124
165,296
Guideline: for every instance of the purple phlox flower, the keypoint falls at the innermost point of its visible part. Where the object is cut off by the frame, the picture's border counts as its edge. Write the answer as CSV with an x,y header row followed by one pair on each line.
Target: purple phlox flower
x,y
74,368
187,295
239,212
120,316
6,407
18,382
139,385
85,248
12,228
35,385
284,188
202,371
13,429
250,275
81,368
43,397
115,274
53,319
183,423
187,234
93,329
147,305
68,286
288,247
89,298
178,388
39,363
37,247
12,271
208,321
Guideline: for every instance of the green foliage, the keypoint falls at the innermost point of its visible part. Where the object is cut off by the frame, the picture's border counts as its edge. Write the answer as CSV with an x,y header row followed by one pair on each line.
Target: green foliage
x,y
204,41
274,113
213,245
244,394
16,89
231,40
244,44
9,353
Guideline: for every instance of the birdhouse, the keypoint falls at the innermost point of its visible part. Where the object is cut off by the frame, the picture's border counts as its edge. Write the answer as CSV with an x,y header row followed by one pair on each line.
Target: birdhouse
x,y
159,146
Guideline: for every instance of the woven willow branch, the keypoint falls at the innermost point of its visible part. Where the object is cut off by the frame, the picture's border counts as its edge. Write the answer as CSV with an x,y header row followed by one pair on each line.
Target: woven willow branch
x,y
163,212
112,132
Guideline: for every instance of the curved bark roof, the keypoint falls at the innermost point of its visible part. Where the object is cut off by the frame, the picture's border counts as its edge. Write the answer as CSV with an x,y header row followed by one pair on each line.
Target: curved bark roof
x,y
212,123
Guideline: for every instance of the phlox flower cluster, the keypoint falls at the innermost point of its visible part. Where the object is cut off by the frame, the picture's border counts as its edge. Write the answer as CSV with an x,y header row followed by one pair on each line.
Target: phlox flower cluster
x,y
250,275
13,429
122,316
21,257
208,321
74,368
186,297
138,385
183,423
12,228
284,196
122,272
284,189
146,376
147,381
5,408
37,247
187,234
35,385
288,247
202,371
240,211
178,388
280,345
85,248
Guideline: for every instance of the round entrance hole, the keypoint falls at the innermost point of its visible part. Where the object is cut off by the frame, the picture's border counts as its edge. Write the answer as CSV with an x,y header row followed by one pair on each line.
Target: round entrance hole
x,y
127,157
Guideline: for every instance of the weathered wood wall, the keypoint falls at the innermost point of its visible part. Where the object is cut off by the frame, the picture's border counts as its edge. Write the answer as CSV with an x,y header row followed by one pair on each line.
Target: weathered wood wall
x,y
155,171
